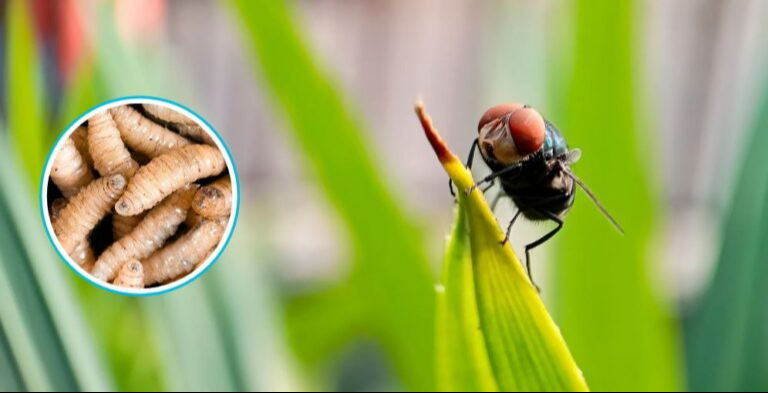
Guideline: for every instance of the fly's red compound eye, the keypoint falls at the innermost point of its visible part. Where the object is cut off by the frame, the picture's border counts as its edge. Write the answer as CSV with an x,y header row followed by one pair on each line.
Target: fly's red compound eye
x,y
528,130
497,112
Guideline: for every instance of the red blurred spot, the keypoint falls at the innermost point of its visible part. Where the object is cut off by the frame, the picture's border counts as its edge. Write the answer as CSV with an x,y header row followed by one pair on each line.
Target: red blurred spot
x,y
139,19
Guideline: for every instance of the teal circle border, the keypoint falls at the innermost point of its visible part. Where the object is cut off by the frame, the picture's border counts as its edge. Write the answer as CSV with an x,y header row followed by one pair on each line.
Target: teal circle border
x,y
43,197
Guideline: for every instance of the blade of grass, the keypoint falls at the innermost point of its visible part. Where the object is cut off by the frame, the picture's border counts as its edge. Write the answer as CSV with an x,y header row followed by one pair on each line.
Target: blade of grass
x,y
26,114
241,277
10,376
391,275
462,357
726,337
24,312
525,348
609,314
67,327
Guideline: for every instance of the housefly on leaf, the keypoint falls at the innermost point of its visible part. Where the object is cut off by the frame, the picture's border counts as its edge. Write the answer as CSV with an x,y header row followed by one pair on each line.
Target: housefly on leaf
x,y
531,160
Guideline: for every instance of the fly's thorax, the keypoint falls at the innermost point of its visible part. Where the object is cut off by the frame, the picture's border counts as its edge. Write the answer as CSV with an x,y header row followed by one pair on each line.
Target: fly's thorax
x,y
554,142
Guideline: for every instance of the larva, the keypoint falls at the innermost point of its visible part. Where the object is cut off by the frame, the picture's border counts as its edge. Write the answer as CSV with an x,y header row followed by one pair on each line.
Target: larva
x,y
167,173
148,236
106,147
215,199
131,275
86,209
83,255
70,172
80,138
123,225
56,207
185,125
167,114
193,219
196,133
181,256
144,135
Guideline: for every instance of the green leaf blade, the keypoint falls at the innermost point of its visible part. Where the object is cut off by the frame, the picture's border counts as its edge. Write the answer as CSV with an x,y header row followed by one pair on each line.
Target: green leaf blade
x,y
462,357
390,275
613,320
725,334
27,120
525,348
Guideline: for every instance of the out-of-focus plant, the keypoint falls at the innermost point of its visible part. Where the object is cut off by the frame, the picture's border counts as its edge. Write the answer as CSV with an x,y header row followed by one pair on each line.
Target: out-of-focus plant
x,y
26,108
726,339
389,295
493,330
49,345
615,326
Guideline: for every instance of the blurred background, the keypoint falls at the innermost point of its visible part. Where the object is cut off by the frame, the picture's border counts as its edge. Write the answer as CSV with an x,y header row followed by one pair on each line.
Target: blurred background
x,y
328,282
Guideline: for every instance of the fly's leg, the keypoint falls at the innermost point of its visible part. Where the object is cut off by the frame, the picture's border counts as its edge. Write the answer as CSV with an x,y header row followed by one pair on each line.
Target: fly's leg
x,y
490,178
541,241
468,164
496,200
509,227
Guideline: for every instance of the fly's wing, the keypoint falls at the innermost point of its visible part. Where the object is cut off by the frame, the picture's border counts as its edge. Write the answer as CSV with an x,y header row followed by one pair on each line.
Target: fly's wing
x,y
590,194
573,157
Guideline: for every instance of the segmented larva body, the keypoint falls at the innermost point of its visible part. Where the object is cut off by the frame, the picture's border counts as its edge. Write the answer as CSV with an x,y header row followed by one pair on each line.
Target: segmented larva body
x,y
144,135
70,172
215,199
131,275
148,236
107,149
123,225
83,255
56,207
196,133
193,219
80,138
166,174
181,256
167,114
86,209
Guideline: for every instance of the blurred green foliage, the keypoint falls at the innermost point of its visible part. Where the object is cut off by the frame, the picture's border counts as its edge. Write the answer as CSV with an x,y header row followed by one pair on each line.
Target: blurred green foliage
x,y
726,334
27,116
390,292
619,333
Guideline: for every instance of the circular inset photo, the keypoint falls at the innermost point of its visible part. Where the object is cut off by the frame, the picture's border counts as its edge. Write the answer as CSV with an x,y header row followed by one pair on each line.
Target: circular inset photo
x,y
140,196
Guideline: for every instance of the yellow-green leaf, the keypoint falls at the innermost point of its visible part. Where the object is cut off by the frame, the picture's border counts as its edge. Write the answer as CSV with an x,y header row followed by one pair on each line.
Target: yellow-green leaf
x,y
462,358
525,348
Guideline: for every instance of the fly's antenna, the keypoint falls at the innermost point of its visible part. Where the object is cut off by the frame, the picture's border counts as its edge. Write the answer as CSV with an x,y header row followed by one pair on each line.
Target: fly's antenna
x,y
594,200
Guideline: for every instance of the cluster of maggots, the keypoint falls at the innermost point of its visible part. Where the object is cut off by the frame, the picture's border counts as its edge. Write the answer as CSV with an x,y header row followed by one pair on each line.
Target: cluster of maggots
x,y
142,196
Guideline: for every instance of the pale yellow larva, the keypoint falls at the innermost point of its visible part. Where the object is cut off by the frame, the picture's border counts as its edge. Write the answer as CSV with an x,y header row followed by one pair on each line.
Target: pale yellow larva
x,y
83,255
80,138
123,225
144,135
215,199
70,172
109,153
166,174
86,209
167,114
180,257
56,207
148,236
131,275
